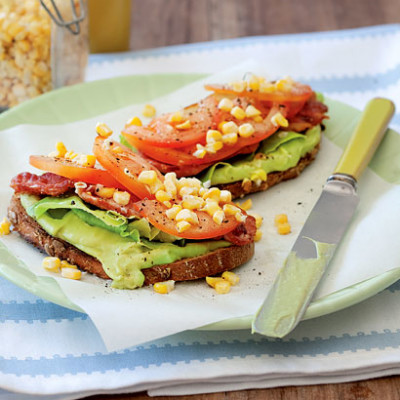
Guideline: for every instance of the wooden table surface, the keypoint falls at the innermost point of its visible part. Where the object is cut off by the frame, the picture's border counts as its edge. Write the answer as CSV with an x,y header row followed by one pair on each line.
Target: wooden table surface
x,y
157,23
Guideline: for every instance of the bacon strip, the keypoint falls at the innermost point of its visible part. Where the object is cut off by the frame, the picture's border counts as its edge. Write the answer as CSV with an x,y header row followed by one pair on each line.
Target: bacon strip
x,y
310,115
48,184
88,194
244,233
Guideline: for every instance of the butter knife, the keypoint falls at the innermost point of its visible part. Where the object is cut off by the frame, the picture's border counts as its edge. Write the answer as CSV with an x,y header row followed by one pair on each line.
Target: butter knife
x,y
306,263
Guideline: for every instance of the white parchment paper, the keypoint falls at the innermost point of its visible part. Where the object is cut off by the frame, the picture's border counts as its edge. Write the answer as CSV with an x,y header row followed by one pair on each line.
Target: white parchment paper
x,y
128,318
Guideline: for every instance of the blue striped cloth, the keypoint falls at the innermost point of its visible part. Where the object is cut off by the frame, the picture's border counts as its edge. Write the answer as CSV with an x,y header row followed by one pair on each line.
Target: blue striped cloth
x,y
50,352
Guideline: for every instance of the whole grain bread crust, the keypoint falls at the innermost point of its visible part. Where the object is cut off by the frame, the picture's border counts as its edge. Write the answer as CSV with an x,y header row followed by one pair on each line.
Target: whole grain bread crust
x,y
242,188
209,264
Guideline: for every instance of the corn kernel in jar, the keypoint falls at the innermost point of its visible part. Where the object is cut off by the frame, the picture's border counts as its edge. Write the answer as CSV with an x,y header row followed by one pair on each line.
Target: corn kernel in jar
x,y
30,65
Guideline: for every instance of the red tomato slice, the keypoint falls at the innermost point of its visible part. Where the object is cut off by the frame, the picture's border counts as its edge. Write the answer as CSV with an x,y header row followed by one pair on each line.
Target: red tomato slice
x,y
299,92
180,170
154,212
74,171
163,133
124,164
184,156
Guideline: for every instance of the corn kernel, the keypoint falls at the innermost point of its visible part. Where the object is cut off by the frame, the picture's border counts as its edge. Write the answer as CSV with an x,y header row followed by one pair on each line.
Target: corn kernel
x,y
210,207
258,118
184,125
40,69
253,82
200,152
231,277
214,147
157,185
213,136
162,195
280,219
246,205
284,229
186,182
14,29
148,177
230,209
246,182
121,198
164,287
170,182
240,217
187,191
24,45
225,196
258,235
173,211
238,113
71,155
175,117
279,120
230,138
182,226
212,193
188,216
251,111
52,264
71,273
246,130
229,127
191,182
258,218
103,130
221,124
238,86
225,104
223,287
149,111
259,175
134,121
61,149
5,227
87,160
192,202
267,87
218,217
212,281
284,84
105,192
117,149
66,264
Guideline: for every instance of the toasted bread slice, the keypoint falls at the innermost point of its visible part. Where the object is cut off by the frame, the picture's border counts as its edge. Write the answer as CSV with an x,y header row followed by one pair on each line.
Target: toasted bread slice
x,y
242,188
209,264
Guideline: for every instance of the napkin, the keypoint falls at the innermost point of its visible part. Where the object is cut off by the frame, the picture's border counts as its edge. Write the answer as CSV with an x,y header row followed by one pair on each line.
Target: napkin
x,y
353,344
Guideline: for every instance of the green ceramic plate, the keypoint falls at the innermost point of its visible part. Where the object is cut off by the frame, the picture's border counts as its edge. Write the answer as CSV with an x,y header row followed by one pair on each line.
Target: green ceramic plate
x,y
95,98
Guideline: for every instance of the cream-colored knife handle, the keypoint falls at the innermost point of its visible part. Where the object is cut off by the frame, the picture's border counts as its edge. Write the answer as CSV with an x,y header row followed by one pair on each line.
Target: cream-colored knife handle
x,y
366,138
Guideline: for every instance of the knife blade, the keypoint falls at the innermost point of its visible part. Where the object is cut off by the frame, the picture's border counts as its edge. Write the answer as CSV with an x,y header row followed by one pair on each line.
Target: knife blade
x,y
324,228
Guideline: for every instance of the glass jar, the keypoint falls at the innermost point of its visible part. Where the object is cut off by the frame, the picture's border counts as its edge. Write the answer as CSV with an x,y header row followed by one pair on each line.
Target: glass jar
x,y
36,54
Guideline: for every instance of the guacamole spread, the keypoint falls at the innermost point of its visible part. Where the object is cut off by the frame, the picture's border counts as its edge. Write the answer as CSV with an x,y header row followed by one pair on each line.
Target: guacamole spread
x,y
279,152
123,246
